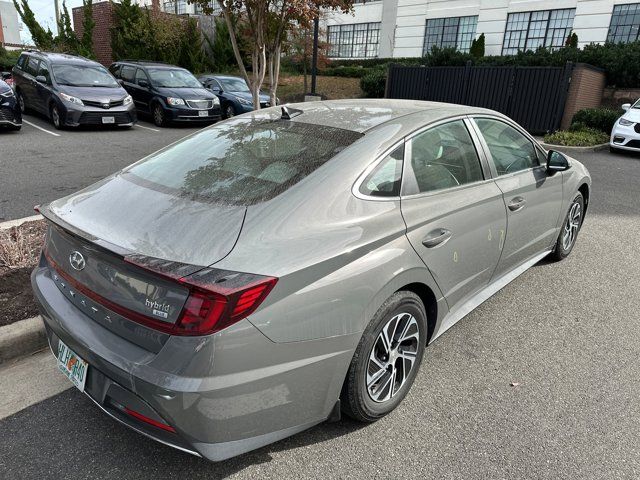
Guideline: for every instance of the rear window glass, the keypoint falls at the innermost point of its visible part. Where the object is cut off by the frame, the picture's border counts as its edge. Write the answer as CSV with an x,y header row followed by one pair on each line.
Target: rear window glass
x,y
241,162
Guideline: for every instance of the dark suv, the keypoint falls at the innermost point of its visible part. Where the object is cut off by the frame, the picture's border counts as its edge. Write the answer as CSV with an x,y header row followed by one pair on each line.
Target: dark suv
x,y
71,90
167,92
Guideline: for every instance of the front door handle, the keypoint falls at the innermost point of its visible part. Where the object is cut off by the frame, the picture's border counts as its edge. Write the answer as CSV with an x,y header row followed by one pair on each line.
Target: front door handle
x,y
436,238
516,204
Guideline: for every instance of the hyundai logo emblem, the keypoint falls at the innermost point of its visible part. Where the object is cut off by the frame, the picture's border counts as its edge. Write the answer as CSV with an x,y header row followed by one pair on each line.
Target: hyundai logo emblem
x,y
77,260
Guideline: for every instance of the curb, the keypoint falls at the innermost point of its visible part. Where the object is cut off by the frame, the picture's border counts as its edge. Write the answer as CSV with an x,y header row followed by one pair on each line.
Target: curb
x,y
594,148
22,338
19,221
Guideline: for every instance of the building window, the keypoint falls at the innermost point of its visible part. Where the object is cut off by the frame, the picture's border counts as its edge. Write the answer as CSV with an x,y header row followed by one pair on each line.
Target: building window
x,y
170,7
531,30
213,4
358,40
625,23
452,32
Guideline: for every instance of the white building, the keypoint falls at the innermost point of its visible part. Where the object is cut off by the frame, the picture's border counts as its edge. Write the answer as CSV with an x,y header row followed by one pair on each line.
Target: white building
x,y
9,24
408,28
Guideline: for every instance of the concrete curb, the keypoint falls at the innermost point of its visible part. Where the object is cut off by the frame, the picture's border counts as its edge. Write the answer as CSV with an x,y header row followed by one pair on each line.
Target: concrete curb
x,y
595,148
19,221
22,338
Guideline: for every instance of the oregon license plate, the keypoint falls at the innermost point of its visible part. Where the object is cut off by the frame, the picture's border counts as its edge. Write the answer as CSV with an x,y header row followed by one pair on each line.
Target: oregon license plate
x,y
108,119
72,366
203,113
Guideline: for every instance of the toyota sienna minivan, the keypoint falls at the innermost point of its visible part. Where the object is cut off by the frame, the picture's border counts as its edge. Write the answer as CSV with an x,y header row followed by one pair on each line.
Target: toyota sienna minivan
x,y
71,91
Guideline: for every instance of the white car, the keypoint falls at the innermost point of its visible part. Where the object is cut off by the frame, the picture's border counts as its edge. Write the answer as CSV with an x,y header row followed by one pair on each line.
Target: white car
x,y
625,134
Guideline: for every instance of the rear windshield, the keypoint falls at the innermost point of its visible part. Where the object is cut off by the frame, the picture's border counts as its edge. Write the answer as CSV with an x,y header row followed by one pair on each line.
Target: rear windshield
x,y
241,162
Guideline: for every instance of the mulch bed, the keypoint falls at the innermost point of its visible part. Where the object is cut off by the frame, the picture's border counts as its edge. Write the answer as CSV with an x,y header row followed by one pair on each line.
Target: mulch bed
x,y
19,252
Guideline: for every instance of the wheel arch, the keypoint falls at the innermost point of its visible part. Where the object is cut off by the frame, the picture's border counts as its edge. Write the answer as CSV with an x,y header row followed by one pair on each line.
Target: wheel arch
x,y
584,190
429,301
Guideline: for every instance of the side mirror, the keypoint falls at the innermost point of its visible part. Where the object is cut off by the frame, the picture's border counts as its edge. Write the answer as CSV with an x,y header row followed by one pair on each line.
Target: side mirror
x,y
143,83
41,79
556,162
626,106
120,81
6,75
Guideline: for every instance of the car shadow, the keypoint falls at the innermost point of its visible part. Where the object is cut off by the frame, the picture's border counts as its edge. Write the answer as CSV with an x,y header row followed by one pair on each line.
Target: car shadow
x,y
66,436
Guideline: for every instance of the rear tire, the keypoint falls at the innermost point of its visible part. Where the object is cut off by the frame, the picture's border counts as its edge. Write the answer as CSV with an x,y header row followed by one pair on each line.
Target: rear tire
x,y
387,358
570,229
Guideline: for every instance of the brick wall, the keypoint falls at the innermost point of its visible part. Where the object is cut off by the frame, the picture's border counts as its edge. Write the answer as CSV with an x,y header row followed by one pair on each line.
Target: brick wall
x,y
585,91
615,97
103,16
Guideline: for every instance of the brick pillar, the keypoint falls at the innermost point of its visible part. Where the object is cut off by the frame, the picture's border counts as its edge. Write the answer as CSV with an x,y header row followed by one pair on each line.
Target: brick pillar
x,y
585,91
103,16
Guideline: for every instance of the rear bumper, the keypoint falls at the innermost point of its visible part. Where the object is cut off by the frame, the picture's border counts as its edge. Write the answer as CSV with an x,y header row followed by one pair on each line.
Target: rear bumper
x,y
224,394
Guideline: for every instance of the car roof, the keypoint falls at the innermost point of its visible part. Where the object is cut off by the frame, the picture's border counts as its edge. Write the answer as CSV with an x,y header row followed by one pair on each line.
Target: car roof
x,y
61,57
360,115
145,63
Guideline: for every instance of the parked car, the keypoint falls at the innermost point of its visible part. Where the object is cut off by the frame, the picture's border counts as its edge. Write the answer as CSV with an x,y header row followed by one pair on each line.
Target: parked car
x,y
71,90
168,93
266,274
10,115
625,134
234,94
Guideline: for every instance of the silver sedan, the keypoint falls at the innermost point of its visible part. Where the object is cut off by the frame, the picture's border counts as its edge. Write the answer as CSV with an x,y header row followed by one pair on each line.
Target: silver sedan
x,y
289,265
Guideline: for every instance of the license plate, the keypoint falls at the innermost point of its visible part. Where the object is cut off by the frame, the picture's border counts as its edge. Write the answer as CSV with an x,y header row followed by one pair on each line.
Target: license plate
x,y
108,119
203,113
72,366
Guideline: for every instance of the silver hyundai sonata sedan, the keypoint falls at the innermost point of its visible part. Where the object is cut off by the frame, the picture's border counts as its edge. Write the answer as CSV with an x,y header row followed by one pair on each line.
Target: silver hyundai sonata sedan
x,y
272,271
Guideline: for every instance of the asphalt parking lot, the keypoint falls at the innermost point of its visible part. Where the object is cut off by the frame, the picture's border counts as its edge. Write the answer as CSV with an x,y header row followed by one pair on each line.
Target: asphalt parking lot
x,y
541,381
45,164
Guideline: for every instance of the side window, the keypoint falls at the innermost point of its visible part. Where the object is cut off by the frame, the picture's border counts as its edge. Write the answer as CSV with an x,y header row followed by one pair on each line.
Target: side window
x,y
22,60
385,179
140,75
32,66
44,71
444,157
511,150
115,70
127,73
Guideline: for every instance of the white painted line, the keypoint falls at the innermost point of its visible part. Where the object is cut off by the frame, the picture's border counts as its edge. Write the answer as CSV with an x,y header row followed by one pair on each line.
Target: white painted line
x,y
19,221
40,128
147,128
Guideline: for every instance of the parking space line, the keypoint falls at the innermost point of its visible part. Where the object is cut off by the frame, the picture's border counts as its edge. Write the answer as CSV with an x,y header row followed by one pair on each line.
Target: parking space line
x,y
40,128
147,128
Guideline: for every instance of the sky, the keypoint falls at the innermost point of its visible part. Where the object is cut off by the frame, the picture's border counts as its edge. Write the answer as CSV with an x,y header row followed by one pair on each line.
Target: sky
x,y
45,14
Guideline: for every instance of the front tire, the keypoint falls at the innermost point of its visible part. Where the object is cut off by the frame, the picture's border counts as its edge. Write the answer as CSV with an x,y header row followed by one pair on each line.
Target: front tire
x,y
229,111
613,149
159,116
570,229
21,102
387,358
56,119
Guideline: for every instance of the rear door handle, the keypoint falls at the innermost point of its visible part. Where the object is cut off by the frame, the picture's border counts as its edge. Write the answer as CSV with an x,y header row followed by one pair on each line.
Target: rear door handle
x,y
437,237
516,204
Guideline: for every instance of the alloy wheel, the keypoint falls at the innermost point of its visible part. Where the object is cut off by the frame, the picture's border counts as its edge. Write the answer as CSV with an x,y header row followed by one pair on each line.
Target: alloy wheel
x,y
392,357
55,117
230,111
572,226
23,108
158,115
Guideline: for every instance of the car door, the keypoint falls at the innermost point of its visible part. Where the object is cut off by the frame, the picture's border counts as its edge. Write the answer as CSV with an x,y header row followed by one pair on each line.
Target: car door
x,y
28,86
143,89
532,197
453,209
127,75
44,90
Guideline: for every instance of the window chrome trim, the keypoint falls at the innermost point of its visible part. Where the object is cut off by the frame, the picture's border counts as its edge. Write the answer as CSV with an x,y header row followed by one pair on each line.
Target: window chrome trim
x,y
355,189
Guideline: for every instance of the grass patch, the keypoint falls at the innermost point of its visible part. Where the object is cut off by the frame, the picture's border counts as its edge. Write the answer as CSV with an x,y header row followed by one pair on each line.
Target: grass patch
x,y
291,88
585,137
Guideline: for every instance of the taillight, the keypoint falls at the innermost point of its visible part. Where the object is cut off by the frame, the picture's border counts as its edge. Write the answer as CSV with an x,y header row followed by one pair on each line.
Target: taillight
x,y
209,310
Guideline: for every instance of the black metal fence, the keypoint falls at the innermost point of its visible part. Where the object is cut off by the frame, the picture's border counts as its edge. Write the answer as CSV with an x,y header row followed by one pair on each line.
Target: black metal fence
x,y
532,96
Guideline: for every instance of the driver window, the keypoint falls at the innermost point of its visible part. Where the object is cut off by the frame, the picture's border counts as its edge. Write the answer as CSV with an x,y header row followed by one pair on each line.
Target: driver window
x,y
511,150
140,75
444,157
44,71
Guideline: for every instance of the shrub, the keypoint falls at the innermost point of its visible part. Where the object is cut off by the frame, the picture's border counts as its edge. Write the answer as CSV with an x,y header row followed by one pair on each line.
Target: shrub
x,y
343,71
373,83
8,58
477,47
587,137
598,118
